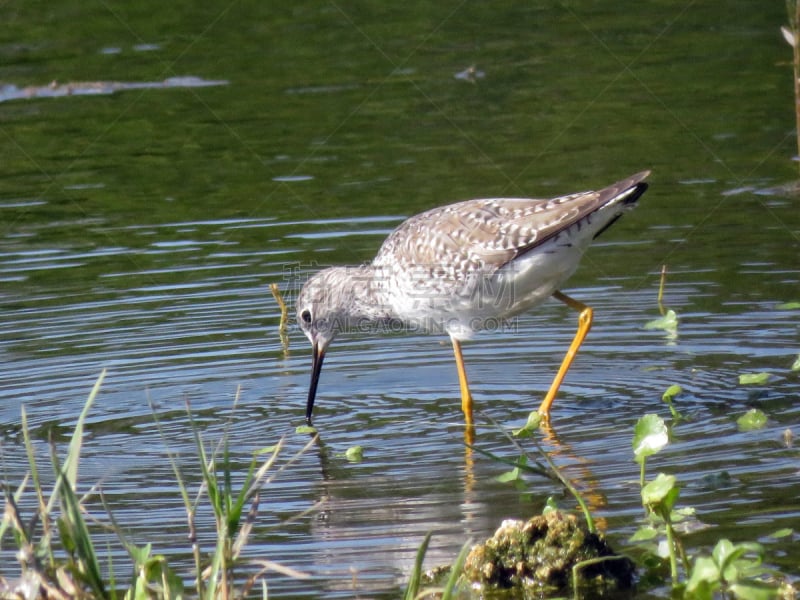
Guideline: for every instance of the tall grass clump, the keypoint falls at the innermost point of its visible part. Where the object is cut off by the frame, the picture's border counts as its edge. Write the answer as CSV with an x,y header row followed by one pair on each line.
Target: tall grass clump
x,y
57,555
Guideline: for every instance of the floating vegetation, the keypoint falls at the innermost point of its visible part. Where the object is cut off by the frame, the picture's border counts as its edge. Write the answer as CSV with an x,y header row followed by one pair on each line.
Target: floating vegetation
x,y
793,305
732,570
754,378
354,454
667,322
751,420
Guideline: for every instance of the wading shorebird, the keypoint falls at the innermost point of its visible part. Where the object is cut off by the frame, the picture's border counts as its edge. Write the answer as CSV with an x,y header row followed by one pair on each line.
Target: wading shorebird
x,y
464,267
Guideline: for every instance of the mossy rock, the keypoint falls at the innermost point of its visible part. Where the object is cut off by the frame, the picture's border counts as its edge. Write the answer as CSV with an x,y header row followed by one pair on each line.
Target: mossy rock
x,y
540,553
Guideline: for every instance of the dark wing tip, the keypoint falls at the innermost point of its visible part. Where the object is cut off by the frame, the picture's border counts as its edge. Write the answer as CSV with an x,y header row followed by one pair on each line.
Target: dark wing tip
x,y
632,188
627,192
636,192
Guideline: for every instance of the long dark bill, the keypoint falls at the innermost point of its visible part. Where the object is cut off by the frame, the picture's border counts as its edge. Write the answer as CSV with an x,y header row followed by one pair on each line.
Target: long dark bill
x,y
317,356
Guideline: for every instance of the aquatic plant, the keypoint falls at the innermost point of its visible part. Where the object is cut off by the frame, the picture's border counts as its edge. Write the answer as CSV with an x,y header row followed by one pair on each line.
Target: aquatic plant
x,y
735,570
668,321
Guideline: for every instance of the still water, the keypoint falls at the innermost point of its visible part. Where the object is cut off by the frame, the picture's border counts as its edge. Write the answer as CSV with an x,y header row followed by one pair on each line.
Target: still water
x,y
140,230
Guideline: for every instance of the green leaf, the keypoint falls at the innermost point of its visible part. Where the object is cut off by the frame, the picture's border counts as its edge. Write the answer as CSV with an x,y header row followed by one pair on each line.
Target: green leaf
x,y
796,364
455,572
754,590
649,436
754,378
751,420
70,473
140,555
157,573
512,475
705,577
669,322
733,563
671,392
679,515
793,305
305,429
703,590
659,490
781,533
534,419
724,552
670,499
550,505
644,534
416,573
79,537
354,454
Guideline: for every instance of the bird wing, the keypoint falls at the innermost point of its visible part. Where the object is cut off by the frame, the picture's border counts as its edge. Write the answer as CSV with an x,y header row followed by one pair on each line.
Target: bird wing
x,y
461,239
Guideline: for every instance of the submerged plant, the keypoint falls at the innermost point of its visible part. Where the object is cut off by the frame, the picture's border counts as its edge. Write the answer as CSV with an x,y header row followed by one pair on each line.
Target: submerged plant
x,y
668,397
668,321
283,326
526,464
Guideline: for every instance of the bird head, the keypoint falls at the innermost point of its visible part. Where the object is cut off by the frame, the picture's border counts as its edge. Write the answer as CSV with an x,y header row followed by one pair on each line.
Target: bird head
x,y
322,312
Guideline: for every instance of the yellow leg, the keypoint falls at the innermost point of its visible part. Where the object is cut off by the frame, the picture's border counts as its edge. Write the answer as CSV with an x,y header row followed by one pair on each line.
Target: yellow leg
x,y
466,397
584,325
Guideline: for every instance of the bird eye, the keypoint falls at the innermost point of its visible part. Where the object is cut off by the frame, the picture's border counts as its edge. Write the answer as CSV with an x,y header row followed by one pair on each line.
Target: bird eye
x,y
306,316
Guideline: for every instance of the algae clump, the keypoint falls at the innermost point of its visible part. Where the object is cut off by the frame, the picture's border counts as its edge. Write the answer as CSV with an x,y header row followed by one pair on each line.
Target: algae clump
x,y
541,553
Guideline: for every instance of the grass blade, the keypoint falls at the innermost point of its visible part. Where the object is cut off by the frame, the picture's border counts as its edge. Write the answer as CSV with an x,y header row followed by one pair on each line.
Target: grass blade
x,y
455,572
70,470
416,572
72,520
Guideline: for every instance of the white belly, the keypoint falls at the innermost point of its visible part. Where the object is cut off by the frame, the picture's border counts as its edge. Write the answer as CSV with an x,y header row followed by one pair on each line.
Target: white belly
x,y
487,301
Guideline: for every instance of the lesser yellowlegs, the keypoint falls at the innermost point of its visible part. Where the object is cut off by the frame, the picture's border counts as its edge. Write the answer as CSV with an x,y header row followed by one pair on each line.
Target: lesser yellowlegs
x,y
464,267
